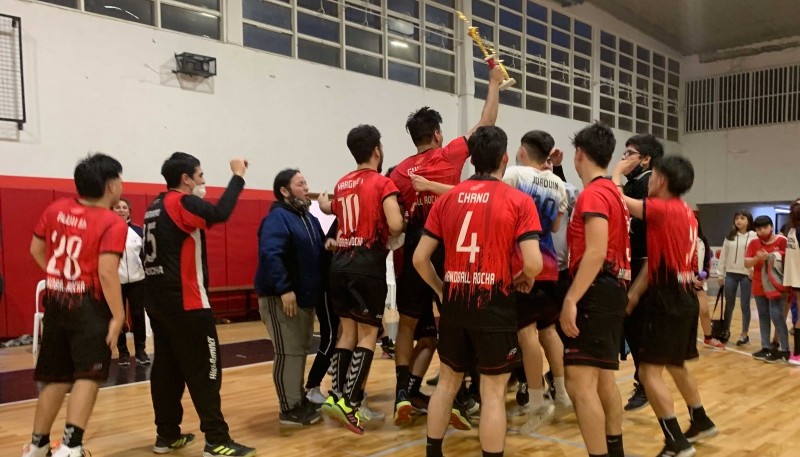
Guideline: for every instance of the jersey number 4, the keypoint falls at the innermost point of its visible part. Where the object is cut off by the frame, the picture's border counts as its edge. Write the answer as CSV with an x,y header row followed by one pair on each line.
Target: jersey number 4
x,y
71,246
473,248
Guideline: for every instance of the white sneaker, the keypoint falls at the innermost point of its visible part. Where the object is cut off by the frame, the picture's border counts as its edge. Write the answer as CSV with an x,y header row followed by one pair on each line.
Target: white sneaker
x,y
563,405
64,451
370,415
517,411
30,450
315,396
537,417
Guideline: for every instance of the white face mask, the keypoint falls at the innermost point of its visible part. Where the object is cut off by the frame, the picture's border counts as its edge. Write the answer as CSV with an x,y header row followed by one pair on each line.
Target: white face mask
x,y
199,190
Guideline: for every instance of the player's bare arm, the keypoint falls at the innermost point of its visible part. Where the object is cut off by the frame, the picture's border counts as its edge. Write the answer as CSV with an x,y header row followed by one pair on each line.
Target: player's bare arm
x,y
325,203
557,223
490,107
591,263
423,264
638,288
394,216
532,265
38,251
424,185
107,270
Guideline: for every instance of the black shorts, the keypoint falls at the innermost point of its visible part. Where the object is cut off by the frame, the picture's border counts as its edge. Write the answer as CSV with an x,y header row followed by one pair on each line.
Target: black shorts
x,y
426,326
599,320
493,352
74,343
358,297
414,296
541,305
667,330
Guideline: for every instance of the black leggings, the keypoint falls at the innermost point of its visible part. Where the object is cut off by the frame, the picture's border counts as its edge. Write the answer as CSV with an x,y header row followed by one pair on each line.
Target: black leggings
x,y
328,332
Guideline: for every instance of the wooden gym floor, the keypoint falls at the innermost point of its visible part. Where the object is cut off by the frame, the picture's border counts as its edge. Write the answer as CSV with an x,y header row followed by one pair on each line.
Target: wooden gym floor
x,y
753,404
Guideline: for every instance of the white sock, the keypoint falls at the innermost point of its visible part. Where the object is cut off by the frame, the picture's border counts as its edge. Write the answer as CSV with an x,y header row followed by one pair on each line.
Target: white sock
x,y
536,397
561,390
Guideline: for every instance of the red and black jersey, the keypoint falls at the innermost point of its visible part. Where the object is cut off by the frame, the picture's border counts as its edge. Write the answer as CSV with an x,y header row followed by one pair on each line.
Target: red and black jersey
x,y
480,222
363,230
442,165
75,235
671,242
601,199
176,264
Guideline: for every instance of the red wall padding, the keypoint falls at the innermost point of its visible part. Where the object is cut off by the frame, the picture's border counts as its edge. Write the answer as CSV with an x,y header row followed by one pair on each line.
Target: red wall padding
x,y
232,246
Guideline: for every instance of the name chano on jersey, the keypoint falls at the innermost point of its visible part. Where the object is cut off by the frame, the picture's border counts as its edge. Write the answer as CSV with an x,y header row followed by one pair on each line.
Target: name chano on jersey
x,y
473,197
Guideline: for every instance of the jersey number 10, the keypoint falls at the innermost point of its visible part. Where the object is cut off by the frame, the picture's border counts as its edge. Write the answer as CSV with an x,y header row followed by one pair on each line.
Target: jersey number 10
x,y
350,213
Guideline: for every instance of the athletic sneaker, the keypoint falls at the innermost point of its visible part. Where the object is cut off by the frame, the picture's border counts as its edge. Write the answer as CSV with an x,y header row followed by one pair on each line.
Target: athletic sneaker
x,y
315,396
778,357
420,401
387,348
794,360
348,415
142,358
699,429
459,415
229,449
330,403
537,417
550,382
301,414
402,409
31,450
762,355
523,397
368,414
744,339
672,450
64,451
638,399
713,343
124,359
165,446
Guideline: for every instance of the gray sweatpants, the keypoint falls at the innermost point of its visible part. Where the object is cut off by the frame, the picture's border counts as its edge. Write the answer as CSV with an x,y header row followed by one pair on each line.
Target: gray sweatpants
x,y
291,337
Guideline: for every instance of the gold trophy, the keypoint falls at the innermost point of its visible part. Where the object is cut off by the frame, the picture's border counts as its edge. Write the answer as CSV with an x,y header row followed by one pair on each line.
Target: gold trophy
x,y
489,54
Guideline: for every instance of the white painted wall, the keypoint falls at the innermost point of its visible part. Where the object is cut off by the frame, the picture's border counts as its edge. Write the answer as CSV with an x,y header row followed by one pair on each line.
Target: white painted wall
x,y
746,164
99,84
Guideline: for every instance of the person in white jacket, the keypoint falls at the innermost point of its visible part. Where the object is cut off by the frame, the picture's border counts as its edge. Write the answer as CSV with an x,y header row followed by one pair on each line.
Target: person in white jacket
x,y
131,276
791,271
732,272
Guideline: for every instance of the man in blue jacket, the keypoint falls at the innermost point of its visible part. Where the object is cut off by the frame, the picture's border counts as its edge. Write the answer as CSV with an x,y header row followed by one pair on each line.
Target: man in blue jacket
x,y
290,284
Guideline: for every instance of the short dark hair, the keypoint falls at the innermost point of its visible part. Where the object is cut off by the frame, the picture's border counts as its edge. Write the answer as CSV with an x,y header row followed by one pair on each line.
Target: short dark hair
x,y
597,141
362,140
94,172
390,170
422,124
678,171
762,221
538,144
282,179
486,148
178,164
647,145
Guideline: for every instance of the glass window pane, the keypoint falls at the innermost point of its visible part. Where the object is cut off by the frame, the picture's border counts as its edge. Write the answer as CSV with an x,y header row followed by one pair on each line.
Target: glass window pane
x,y
626,47
409,7
511,98
673,94
481,70
537,11
559,109
583,29
625,109
439,39
581,64
440,60
438,17
658,132
318,52
361,63
606,72
658,89
642,127
67,3
486,31
450,3
440,82
674,66
515,5
607,119
626,62
659,74
327,7
510,40
404,73
402,50
363,39
642,84
402,28
625,124
608,56
607,104
534,48
674,80
536,104
583,83
192,22
559,91
558,56
317,27
642,113
658,60
481,90
643,54
559,38
483,9
139,11
537,68
267,40
582,97
561,21
536,85
658,118
672,135
210,4
642,68
361,17
625,78
583,46
267,13
511,20
608,39
581,114
537,29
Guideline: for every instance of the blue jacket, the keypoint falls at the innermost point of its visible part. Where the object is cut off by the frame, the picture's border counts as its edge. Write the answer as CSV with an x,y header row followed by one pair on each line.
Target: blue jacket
x,y
291,255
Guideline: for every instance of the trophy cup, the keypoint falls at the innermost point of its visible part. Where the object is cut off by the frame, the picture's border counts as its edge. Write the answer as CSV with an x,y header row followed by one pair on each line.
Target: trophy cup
x,y
489,54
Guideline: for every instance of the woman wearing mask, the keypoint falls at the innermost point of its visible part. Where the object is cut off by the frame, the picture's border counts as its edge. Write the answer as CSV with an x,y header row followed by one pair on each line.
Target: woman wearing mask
x,y
733,273
290,284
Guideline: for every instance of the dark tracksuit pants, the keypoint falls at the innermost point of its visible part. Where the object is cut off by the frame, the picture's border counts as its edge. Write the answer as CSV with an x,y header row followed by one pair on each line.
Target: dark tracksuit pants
x,y
328,333
187,354
632,322
135,294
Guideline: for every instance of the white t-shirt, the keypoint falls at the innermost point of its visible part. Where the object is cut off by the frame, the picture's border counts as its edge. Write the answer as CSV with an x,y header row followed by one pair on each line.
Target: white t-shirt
x,y
791,261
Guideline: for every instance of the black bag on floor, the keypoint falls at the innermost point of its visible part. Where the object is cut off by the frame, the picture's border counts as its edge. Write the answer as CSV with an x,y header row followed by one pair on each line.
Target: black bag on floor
x,y
718,329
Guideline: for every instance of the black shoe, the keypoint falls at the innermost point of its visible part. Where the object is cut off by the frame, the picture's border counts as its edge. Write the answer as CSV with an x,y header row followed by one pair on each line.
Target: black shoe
x,y
778,357
229,449
433,381
523,397
674,450
165,446
762,355
744,339
142,358
459,415
419,401
124,359
700,428
550,382
638,399
301,414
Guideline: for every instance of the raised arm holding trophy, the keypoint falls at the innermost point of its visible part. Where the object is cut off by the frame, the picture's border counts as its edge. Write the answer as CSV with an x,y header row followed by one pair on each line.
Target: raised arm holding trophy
x,y
489,54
